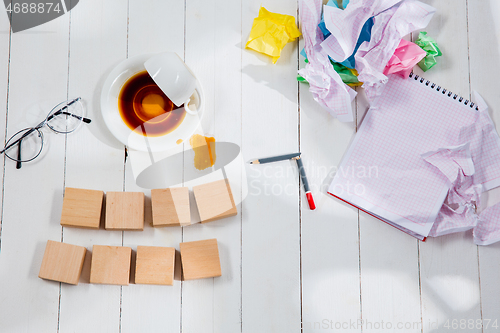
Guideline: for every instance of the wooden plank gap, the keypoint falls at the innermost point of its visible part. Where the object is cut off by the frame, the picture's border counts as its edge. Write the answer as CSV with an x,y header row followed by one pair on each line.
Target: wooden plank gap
x,y
300,183
241,152
480,291
468,51
420,286
359,258
5,131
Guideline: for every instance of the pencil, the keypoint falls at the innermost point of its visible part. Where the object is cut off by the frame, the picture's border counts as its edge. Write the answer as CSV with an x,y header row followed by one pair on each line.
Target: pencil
x,y
275,158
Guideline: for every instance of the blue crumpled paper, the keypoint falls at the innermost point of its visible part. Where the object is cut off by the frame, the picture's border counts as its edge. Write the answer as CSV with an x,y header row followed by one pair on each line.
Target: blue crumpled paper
x,y
364,36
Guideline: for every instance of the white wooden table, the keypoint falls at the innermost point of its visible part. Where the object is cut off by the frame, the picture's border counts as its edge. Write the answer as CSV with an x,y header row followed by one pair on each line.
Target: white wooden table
x,y
282,264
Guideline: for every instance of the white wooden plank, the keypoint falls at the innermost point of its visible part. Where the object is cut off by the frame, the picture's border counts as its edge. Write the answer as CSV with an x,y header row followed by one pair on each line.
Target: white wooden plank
x,y
330,248
389,277
153,27
38,81
484,50
94,160
213,52
4,79
270,227
390,294
389,286
448,264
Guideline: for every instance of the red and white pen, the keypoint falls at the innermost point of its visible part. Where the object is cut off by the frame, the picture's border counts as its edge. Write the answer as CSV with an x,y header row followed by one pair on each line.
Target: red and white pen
x,y
303,177
302,171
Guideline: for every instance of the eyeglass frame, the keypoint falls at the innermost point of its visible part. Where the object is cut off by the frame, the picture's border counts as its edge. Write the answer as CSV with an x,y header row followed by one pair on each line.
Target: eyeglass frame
x,y
30,130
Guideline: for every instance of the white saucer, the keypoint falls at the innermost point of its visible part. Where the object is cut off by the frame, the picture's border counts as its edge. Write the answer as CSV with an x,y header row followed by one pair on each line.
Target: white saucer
x,y
109,109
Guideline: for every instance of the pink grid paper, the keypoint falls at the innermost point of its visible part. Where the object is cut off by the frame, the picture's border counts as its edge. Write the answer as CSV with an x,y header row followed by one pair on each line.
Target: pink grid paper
x,y
409,119
487,230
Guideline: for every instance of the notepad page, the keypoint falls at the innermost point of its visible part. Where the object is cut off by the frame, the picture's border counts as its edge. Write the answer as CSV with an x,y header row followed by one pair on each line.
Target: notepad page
x,y
383,172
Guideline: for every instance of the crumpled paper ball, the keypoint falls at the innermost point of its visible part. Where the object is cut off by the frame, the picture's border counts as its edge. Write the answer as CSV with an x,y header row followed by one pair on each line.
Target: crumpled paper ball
x,y
271,32
405,57
430,46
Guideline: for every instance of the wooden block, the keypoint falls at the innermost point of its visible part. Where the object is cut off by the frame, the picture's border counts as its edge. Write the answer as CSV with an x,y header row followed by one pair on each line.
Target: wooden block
x,y
171,207
110,265
124,211
214,200
81,208
200,259
62,262
155,265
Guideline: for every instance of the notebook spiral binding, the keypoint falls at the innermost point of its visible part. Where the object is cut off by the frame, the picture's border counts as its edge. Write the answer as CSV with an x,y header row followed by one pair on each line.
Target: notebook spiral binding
x,y
444,91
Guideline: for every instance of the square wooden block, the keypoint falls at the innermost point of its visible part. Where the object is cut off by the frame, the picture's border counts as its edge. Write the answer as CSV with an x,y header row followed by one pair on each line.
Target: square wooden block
x,y
62,262
155,265
171,207
81,208
124,211
110,265
200,259
214,200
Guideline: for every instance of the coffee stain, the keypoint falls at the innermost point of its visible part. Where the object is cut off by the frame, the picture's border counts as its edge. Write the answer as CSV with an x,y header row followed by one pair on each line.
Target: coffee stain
x,y
204,151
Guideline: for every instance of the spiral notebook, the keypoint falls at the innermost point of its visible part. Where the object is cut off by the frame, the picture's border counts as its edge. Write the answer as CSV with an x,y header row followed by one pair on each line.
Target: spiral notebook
x,y
383,172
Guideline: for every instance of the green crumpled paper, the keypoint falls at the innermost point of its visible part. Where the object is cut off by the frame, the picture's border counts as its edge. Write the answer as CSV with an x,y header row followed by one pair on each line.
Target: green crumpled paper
x,y
349,76
430,46
271,32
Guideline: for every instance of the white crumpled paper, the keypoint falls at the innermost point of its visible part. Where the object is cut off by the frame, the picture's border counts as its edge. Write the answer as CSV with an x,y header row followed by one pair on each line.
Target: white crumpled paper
x,y
388,29
458,212
345,25
471,168
393,19
325,84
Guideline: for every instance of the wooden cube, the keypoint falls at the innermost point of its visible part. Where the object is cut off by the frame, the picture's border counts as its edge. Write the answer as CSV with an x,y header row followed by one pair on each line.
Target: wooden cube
x,y
110,265
124,211
155,265
62,262
171,207
82,208
200,259
214,200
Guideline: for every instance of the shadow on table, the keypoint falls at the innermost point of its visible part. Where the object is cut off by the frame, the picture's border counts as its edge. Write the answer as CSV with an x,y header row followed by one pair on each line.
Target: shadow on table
x,y
98,127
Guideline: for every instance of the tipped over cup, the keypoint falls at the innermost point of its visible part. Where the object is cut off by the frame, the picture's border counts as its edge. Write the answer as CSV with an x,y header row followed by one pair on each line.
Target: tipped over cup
x,y
175,79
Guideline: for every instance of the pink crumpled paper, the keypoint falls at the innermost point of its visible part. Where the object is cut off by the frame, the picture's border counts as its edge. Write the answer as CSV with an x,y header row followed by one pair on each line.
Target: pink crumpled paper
x,y
405,57
393,19
388,29
471,169
458,212
487,230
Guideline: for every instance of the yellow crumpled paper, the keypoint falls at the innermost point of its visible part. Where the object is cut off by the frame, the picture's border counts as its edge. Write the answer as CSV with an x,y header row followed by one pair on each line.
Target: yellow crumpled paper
x,y
271,32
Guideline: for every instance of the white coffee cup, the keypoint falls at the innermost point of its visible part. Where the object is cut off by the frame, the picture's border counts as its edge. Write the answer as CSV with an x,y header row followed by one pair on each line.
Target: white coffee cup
x,y
175,79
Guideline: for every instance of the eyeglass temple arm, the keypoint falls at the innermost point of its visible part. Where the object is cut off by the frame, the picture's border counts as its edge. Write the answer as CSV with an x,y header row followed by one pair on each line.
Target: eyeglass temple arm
x,y
60,111
18,141
18,164
85,120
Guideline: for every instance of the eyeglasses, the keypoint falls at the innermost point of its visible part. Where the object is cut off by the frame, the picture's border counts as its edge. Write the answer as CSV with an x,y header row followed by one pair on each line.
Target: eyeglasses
x,y
27,144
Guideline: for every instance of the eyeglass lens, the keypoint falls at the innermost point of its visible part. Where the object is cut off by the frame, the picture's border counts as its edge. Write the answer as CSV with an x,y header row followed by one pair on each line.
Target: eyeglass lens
x,y
27,144
28,147
66,117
